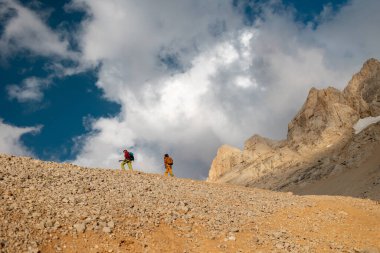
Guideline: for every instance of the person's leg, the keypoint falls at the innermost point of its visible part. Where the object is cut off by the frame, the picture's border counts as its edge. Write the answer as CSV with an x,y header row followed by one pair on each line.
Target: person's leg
x,y
171,171
122,165
130,165
167,169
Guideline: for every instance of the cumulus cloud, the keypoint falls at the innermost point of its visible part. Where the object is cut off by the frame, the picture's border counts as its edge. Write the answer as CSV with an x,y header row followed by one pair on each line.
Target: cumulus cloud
x,y
177,118
25,30
229,80
31,90
137,36
10,142
189,75
140,49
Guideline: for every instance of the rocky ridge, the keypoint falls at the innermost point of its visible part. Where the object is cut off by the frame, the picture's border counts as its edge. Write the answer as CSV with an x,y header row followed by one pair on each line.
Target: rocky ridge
x,y
320,144
52,207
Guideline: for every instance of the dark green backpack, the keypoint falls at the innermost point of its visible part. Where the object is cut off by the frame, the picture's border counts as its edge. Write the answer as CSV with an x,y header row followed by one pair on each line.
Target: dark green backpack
x,y
131,156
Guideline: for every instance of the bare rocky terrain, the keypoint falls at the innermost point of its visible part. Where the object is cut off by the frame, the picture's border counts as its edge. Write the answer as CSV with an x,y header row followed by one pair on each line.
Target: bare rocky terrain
x,y
323,153
52,207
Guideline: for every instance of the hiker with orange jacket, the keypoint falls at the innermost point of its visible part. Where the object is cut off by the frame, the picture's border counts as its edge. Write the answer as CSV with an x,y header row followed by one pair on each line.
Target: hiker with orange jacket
x,y
128,158
168,161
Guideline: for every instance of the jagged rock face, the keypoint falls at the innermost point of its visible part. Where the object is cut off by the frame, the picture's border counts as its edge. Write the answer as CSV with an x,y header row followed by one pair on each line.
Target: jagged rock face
x,y
226,158
258,145
351,170
317,135
326,115
363,91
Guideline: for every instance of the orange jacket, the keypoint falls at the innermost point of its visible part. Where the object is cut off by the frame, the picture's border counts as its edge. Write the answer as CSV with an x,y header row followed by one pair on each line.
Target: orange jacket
x,y
168,160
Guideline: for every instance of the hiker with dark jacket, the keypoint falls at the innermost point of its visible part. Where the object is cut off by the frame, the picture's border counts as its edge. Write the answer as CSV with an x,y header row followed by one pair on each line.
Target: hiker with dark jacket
x,y
128,158
168,161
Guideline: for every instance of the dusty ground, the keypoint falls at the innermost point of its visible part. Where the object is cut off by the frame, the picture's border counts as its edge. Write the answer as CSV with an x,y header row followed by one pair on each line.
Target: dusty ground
x,y
50,207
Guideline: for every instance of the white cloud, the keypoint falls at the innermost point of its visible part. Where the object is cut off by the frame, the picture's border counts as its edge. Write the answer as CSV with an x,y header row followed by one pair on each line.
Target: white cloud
x,y
31,89
244,82
10,138
234,80
170,118
128,37
25,30
223,81
132,34
352,36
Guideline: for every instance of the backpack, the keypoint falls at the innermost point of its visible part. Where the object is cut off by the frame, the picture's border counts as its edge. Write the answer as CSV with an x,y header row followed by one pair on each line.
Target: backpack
x,y
170,161
131,156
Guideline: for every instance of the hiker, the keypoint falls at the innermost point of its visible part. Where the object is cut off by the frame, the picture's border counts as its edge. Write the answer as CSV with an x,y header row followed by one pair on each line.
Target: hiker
x,y
128,158
168,161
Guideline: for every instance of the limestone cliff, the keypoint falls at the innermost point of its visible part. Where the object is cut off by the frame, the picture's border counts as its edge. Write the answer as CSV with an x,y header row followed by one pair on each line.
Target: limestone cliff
x,y
226,158
320,142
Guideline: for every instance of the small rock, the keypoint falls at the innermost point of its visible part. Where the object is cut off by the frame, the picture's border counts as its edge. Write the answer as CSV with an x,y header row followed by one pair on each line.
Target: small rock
x,y
107,230
33,250
40,225
234,230
48,224
369,250
279,246
231,238
111,224
80,227
36,215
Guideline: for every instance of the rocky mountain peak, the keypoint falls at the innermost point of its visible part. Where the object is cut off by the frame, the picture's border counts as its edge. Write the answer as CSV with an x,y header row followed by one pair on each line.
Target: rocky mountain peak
x,y
363,91
330,113
326,114
260,144
321,144
228,157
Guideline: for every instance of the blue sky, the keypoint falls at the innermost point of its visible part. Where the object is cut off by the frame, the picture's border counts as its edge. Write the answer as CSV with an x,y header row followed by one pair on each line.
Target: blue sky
x,y
81,80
